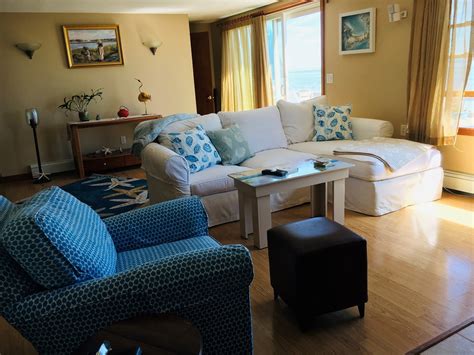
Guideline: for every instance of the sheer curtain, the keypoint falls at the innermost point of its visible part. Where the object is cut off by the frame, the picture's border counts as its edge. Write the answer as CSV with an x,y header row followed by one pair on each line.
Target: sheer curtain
x,y
440,59
245,78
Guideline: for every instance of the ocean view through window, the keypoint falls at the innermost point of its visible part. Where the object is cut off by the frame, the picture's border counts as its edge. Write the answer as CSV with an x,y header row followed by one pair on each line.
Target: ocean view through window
x,y
295,53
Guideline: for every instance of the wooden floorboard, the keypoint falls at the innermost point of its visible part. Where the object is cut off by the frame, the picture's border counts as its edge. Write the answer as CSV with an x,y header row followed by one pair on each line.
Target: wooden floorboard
x,y
421,281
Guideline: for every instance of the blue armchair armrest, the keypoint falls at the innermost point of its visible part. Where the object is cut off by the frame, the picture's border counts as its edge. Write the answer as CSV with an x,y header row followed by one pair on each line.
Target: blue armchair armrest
x,y
59,321
161,223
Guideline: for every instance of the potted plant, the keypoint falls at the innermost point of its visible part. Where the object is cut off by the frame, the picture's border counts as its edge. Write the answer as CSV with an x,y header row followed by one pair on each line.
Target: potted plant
x,y
79,103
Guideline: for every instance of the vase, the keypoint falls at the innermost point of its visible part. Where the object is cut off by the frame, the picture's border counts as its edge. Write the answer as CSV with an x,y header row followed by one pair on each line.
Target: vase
x,y
84,116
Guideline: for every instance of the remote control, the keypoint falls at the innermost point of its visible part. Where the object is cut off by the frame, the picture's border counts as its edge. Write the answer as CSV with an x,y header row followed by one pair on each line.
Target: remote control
x,y
274,172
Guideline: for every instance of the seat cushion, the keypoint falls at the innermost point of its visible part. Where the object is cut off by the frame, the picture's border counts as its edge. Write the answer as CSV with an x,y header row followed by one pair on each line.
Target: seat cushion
x,y
133,258
298,119
368,168
214,180
209,122
59,240
261,127
276,157
15,283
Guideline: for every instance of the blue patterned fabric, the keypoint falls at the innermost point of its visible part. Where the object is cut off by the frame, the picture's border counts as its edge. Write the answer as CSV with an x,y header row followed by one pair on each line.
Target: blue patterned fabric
x,y
146,132
332,122
133,258
15,283
59,240
178,219
196,147
231,145
209,286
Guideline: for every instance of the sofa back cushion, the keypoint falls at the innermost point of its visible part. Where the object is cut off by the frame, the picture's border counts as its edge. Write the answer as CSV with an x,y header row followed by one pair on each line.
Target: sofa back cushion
x,y
298,120
15,283
59,240
209,122
261,128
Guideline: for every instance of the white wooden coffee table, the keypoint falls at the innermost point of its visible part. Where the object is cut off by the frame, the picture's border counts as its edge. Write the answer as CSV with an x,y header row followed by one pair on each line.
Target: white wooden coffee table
x,y
255,189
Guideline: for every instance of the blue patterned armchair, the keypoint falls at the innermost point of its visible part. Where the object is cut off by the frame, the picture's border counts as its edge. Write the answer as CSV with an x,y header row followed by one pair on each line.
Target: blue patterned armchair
x,y
165,263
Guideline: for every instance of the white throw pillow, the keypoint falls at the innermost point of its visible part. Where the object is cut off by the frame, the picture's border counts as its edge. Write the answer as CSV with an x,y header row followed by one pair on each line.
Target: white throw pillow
x,y
298,120
261,127
210,122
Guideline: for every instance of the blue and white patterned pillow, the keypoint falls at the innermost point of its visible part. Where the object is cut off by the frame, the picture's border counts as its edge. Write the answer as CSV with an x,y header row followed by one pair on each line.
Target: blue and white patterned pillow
x,y
332,123
196,147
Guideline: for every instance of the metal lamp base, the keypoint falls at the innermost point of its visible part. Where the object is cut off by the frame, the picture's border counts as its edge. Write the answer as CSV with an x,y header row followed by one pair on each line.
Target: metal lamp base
x,y
41,179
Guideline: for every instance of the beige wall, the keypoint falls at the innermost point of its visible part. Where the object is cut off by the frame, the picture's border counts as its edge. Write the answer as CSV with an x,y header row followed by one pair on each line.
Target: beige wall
x,y
45,80
375,83
460,157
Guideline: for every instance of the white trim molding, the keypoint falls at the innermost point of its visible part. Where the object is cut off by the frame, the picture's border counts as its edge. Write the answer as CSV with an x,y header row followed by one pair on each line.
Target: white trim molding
x,y
53,167
459,181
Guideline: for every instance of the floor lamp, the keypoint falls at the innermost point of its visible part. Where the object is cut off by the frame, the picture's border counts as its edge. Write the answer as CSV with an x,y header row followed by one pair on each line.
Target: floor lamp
x,y
32,119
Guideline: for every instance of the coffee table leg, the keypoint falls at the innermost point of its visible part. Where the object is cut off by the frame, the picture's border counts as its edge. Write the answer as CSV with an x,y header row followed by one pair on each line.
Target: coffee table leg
x,y
319,200
338,195
262,220
245,212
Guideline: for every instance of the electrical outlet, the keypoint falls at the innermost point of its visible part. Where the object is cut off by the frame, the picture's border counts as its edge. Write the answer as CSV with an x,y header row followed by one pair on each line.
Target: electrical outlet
x,y
404,130
123,140
329,78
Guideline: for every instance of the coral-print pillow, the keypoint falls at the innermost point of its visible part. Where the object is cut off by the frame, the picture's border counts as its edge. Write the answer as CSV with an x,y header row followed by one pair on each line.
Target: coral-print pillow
x,y
196,147
332,123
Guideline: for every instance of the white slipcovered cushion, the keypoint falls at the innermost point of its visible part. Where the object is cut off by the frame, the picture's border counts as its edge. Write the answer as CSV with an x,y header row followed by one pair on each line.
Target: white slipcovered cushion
x,y
214,180
276,157
298,120
261,127
366,128
369,168
209,122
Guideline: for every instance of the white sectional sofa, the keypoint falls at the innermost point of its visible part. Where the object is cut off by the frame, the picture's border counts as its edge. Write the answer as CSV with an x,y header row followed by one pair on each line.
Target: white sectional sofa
x,y
278,136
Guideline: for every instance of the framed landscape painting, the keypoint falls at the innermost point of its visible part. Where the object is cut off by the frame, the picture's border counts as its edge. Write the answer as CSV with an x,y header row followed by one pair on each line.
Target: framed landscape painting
x,y
357,32
96,45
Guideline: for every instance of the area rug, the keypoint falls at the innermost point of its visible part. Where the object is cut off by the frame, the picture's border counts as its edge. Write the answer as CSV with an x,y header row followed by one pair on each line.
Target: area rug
x,y
457,340
110,195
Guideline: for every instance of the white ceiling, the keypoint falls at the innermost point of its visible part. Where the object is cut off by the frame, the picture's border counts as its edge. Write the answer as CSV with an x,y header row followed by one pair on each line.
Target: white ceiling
x,y
198,10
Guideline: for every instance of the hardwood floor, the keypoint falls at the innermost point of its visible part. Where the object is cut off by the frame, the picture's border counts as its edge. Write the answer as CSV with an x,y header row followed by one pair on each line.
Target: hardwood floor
x,y
421,281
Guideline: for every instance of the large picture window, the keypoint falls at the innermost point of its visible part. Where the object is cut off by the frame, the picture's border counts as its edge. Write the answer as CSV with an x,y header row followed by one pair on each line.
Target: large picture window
x,y
294,40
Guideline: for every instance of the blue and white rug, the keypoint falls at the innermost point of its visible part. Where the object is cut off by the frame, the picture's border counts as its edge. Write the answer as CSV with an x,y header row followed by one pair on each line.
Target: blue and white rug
x,y
110,195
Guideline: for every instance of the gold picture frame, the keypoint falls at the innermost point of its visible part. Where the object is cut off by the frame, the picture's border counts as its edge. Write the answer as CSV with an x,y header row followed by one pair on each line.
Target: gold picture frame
x,y
92,45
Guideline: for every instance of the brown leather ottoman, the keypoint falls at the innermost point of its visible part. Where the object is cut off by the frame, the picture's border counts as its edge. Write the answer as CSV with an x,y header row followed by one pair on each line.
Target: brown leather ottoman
x,y
318,266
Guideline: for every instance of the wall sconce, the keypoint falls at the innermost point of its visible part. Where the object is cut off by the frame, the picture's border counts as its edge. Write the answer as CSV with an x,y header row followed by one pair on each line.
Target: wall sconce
x,y
152,45
29,48
394,13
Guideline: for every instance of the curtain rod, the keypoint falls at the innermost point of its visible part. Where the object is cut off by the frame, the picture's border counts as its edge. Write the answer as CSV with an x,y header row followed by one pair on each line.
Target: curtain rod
x,y
266,10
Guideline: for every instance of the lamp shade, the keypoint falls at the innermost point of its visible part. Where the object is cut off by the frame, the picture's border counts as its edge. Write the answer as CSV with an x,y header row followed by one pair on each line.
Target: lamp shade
x,y
32,117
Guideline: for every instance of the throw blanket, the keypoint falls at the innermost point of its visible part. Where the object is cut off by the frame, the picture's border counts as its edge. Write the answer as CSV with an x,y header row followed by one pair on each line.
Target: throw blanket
x,y
146,132
394,153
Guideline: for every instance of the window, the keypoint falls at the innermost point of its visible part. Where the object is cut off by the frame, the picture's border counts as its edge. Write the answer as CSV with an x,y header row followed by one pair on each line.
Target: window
x,y
295,53
462,30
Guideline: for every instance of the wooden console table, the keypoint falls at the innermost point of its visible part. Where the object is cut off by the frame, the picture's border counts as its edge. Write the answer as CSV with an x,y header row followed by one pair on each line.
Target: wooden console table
x,y
97,162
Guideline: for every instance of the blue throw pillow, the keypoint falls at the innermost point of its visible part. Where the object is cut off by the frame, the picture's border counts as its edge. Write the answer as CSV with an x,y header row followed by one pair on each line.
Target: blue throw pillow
x,y
59,240
332,122
231,145
15,283
195,146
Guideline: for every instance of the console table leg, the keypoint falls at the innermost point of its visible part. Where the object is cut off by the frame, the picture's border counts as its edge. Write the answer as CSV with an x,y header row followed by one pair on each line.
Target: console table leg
x,y
338,196
262,220
245,212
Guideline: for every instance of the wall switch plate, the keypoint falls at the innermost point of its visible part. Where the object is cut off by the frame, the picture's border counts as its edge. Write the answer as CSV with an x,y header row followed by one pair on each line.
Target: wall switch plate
x,y
404,130
123,140
329,78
